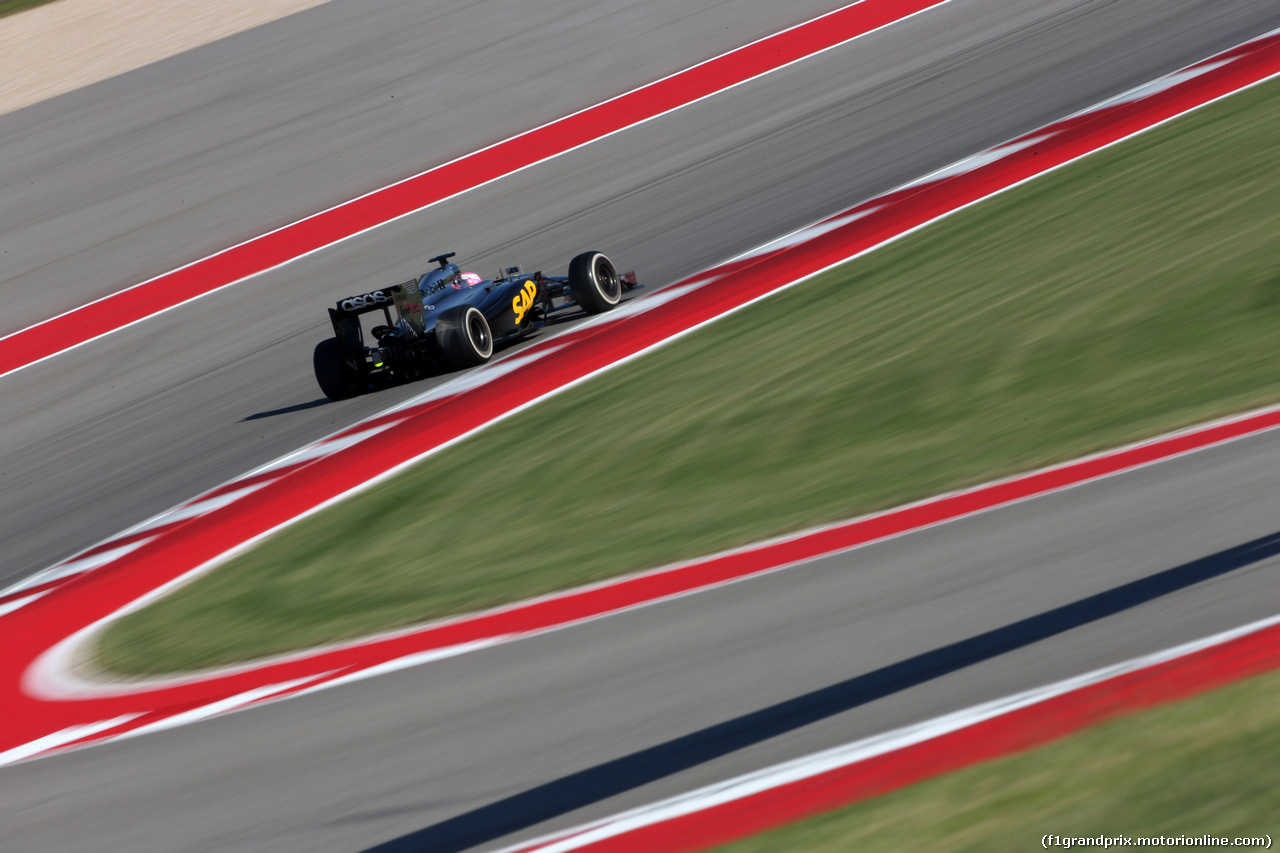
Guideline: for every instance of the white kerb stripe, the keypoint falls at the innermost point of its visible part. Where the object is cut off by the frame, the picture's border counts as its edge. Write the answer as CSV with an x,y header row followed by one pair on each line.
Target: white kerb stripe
x,y
10,606
61,738
213,709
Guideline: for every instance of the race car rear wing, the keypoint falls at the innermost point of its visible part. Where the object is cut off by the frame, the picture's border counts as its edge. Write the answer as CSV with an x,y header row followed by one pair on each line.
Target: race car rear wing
x,y
345,315
363,303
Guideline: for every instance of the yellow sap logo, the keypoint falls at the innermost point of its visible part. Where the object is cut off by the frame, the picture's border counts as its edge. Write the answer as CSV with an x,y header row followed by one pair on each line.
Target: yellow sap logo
x,y
523,300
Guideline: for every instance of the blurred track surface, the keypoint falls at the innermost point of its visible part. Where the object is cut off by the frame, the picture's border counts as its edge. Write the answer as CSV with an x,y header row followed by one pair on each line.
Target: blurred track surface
x,y
113,184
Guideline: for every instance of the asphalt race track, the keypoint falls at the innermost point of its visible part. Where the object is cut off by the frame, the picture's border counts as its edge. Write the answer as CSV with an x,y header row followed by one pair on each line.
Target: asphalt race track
x,y
123,180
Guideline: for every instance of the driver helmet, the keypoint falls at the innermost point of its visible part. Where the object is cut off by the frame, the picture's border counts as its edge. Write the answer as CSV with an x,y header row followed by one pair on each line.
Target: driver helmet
x,y
470,279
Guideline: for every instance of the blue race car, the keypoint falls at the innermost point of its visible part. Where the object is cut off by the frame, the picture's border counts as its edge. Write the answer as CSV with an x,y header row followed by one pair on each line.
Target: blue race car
x,y
447,319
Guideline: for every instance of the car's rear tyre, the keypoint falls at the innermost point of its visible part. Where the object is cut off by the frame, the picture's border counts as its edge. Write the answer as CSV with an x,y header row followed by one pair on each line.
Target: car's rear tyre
x,y
594,281
336,378
464,337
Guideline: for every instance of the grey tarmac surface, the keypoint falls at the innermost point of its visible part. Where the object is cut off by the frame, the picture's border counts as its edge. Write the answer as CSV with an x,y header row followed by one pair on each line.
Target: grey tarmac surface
x,y
135,176
264,127
131,425
511,742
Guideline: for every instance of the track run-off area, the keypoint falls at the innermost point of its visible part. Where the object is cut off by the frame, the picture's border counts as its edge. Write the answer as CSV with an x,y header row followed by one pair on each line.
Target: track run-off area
x,y
48,616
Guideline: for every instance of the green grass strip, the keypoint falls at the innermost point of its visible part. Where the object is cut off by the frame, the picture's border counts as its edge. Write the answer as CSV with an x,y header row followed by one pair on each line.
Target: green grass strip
x,y
1206,766
9,7
1131,293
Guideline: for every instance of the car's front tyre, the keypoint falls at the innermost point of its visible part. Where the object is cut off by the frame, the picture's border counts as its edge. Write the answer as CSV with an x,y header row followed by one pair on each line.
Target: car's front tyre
x,y
595,283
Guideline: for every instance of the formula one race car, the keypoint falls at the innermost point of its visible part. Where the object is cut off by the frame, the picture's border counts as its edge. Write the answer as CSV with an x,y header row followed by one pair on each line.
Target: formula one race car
x,y
448,319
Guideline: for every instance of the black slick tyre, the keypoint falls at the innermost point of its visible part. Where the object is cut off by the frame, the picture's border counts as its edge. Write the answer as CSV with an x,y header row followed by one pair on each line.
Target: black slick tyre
x,y
594,281
336,378
464,337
